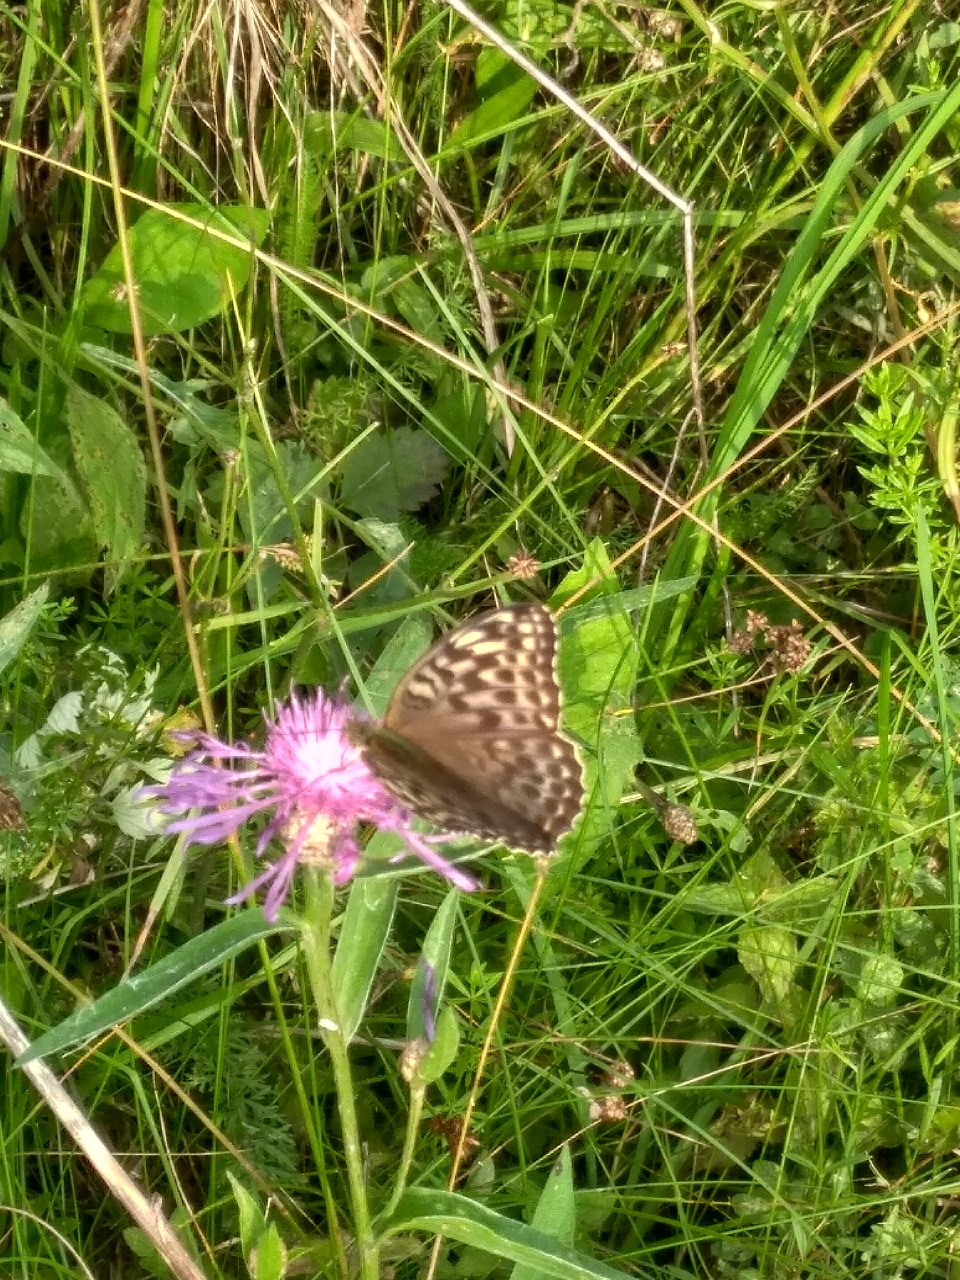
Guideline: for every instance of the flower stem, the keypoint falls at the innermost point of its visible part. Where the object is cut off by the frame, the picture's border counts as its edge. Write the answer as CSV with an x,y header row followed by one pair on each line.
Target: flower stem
x,y
417,1096
317,953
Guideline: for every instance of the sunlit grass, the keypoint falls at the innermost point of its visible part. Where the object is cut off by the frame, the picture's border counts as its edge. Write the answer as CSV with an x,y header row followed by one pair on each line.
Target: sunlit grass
x,y
444,366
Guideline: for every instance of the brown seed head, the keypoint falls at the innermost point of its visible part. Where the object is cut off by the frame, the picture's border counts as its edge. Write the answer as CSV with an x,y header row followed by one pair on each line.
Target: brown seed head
x,y
791,648
523,566
679,823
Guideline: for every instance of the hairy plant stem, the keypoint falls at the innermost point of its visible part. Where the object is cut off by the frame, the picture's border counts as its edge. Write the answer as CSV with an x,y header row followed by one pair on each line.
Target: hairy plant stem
x,y
417,1095
318,955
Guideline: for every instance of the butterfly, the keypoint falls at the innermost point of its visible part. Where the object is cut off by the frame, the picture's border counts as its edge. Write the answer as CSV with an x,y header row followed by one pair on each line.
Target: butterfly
x,y
471,740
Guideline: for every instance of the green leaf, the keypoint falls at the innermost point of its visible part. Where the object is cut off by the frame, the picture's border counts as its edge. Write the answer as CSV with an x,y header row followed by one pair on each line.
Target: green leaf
x,y
504,91
142,990
556,1211
600,654
185,271
325,133
16,627
442,1053
252,1221
436,954
411,639
881,981
598,666
260,1241
769,955
393,282
448,1214
268,1260
19,451
716,899
111,467
59,528
145,1251
392,472
363,936
540,27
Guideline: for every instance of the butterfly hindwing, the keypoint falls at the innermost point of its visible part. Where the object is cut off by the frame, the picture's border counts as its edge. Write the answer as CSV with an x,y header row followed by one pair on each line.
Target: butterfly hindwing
x,y
443,797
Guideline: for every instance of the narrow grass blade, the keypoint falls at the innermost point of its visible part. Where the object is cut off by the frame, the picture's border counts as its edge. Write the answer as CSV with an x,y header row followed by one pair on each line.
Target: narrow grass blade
x,y
142,990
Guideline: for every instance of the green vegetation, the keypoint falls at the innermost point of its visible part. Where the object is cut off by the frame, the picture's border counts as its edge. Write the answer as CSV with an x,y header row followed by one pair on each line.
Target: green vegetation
x,y
324,327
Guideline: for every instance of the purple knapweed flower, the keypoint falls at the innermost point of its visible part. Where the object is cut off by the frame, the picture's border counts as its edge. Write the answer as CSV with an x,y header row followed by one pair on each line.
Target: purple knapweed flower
x,y
313,783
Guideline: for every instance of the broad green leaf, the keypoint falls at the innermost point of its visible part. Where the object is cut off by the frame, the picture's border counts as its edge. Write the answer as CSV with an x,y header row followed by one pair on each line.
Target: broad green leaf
x,y
142,990
111,467
598,665
460,413
769,955
759,876
717,899
448,1214
390,472
325,132
363,936
881,981
540,26
504,92
794,903
394,283
625,601
443,1052
185,271
411,639
416,306
600,648
436,954
19,451
556,1211
268,1259
252,1221
59,528
16,627
390,547
144,1248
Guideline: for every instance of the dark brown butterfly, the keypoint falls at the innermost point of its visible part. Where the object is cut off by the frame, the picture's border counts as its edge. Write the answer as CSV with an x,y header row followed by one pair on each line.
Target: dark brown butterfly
x,y
471,740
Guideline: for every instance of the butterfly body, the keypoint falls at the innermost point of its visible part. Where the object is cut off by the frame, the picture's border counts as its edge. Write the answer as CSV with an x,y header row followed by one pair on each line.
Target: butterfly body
x,y
471,738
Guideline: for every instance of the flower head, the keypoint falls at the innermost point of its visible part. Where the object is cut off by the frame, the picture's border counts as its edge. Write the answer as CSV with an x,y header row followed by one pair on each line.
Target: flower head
x,y
310,780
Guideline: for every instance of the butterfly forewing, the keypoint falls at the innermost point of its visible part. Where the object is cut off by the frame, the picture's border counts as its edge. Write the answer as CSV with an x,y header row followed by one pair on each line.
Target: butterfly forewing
x,y
471,738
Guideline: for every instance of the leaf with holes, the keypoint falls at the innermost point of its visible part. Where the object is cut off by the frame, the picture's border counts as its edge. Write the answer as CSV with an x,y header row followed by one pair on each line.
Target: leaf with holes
x,y
112,470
